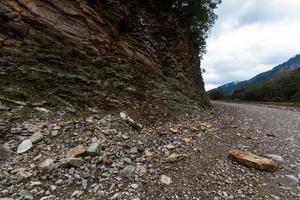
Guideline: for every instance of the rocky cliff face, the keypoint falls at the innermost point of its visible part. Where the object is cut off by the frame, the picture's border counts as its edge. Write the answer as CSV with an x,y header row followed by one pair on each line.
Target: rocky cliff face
x,y
103,56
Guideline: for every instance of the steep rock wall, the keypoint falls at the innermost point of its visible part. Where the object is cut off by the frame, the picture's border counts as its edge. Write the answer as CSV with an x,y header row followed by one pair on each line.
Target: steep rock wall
x,y
106,56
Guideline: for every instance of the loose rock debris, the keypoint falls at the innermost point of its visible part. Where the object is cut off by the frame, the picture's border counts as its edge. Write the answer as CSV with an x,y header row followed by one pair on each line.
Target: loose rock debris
x,y
100,155
113,160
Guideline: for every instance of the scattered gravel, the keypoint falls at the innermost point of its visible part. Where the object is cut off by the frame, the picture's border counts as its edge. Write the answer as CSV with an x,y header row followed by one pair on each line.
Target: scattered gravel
x,y
115,157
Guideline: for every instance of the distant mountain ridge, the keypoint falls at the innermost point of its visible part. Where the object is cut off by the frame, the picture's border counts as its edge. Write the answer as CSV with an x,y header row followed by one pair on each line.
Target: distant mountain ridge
x,y
290,65
283,88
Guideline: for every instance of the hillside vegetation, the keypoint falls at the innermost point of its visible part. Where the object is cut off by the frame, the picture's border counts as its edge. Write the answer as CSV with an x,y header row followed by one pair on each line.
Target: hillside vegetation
x,y
290,65
283,88
280,84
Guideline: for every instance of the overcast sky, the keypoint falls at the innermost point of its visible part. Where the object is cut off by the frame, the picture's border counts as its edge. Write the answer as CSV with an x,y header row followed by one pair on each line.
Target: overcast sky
x,y
249,37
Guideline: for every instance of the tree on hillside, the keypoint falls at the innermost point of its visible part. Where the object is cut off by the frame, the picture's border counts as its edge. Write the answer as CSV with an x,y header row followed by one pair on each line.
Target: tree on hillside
x,y
217,95
285,87
196,17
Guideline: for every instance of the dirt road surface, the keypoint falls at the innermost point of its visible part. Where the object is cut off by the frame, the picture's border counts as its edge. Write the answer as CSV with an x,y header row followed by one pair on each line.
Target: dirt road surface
x,y
135,164
209,174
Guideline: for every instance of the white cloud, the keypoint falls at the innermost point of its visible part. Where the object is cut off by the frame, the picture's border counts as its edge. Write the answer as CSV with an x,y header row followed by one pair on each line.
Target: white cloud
x,y
251,37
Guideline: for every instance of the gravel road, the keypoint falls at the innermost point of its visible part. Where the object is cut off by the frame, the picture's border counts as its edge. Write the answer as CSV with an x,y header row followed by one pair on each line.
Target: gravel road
x,y
208,174
183,159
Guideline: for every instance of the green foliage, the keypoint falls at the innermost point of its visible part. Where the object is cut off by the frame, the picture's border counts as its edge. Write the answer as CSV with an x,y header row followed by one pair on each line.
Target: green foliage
x,y
217,95
284,88
196,17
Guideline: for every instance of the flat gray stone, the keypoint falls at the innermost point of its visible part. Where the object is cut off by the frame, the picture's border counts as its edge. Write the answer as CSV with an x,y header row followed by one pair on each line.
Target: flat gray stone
x,y
24,146
140,170
275,157
93,149
127,171
127,160
165,179
133,150
76,162
36,137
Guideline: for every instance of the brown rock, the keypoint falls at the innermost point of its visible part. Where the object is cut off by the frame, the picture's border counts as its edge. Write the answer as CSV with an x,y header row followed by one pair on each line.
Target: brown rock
x,y
76,152
251,160
205,126
174,130
176,157
186,139
148,153
194,128
170,146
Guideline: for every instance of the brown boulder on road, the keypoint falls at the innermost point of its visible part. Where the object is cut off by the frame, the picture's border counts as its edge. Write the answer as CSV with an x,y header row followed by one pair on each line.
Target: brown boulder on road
x,y
251,160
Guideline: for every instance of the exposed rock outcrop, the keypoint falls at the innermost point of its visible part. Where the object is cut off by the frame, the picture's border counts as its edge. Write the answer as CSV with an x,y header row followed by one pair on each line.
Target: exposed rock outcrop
x,y
105,56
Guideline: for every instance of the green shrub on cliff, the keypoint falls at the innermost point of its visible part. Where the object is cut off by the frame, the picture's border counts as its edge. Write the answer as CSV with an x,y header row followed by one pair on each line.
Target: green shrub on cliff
x,y
196,16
